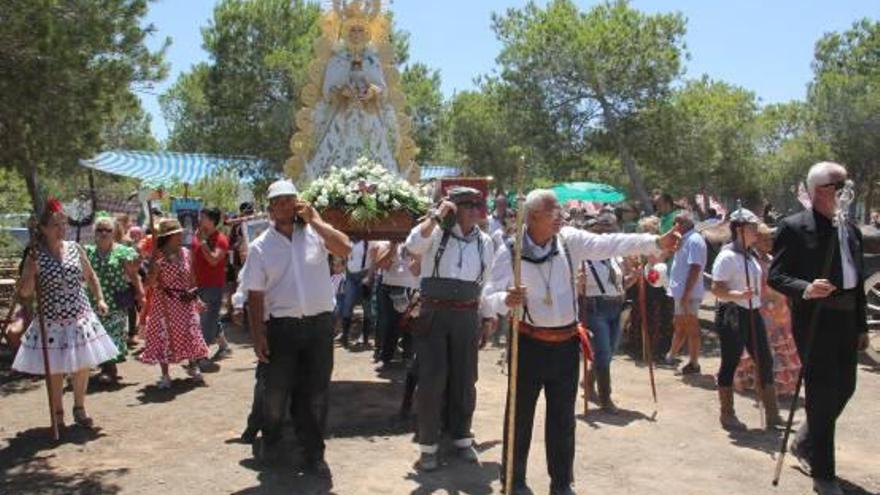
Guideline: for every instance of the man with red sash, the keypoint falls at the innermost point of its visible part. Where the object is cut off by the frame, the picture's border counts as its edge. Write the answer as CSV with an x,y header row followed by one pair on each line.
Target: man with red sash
x,y
550,339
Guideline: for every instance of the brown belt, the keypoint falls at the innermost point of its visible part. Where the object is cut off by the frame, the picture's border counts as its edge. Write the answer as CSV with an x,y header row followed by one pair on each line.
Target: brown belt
x,y
549,335
430,302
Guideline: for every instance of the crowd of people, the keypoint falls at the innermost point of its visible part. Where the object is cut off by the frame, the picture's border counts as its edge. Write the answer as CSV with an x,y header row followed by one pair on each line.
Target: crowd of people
x,y
431,301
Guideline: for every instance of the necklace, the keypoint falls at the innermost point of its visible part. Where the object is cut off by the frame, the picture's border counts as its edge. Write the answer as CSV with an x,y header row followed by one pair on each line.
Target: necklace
x,y
548,296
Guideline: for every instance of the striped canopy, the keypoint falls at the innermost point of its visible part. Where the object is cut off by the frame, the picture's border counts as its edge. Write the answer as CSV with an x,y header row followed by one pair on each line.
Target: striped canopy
x,y
162,166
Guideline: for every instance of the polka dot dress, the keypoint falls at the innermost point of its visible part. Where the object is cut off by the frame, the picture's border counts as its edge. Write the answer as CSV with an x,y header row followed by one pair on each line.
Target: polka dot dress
x,y
173,333
75,337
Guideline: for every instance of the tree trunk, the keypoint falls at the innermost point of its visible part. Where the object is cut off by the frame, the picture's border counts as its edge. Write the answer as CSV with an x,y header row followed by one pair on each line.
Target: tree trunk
x,y
33,186
626,158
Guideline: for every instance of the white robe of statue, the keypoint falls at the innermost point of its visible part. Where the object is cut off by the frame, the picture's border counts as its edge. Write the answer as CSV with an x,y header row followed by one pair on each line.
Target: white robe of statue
x,y
349,121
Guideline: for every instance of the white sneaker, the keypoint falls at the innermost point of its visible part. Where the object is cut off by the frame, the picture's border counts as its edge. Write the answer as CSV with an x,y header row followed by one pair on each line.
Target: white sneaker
x,y
164,382
195,373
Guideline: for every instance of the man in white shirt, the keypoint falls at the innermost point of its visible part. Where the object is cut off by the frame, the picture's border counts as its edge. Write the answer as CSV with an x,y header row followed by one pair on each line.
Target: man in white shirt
x,y
456,259
499,214
400,271
290,301
686,289
356,289
550,336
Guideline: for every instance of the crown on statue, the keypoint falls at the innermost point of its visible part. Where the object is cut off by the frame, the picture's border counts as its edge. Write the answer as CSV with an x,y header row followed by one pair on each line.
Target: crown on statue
x,y
357,12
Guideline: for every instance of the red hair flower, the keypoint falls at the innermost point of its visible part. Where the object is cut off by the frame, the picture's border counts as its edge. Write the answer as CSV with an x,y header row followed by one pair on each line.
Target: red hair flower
x,y
54,206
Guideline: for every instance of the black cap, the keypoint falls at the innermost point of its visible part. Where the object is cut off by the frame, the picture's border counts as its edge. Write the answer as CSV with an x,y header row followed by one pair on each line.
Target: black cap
x,y
461,194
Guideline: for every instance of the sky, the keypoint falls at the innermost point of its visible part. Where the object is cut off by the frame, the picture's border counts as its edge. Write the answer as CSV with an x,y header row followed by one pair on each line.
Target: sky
x,y
765,46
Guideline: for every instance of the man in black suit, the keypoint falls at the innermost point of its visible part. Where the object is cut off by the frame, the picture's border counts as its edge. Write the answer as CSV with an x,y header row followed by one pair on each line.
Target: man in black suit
x,y
820,266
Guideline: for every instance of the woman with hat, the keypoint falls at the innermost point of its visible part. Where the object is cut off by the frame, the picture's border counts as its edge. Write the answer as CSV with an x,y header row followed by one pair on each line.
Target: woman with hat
x,y
116,266
173,333
75,339
736,282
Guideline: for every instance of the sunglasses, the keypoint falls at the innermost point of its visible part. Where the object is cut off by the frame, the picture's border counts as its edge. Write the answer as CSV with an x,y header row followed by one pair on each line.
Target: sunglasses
x,y
471,204
837,185
103,230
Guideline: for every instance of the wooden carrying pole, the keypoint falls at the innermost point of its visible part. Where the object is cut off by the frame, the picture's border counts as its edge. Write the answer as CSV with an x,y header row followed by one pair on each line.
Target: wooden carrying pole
x,y
41,323
647,343
514,329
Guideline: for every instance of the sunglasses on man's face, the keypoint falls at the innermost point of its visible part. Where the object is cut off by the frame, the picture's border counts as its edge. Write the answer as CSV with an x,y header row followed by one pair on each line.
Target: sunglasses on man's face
x,y
102,230
837,185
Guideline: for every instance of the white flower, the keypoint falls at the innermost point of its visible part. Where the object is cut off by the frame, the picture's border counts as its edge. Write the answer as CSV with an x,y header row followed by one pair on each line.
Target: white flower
x,y
351,198
395,204
383,198
322,201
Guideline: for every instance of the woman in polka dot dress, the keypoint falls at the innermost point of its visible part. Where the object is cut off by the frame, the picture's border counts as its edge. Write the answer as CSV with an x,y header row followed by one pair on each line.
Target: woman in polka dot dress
x,y
75,339
172,332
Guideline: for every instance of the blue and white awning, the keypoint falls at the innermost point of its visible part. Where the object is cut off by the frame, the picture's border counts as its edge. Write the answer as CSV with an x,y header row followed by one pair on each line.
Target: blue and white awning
x,y
431,172
163,166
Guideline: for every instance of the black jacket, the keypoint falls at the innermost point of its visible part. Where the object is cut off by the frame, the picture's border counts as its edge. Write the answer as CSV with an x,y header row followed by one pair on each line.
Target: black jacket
x,y
799,254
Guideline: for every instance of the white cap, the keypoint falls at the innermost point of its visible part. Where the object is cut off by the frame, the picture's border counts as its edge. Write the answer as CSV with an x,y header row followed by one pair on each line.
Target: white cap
x,y
282,188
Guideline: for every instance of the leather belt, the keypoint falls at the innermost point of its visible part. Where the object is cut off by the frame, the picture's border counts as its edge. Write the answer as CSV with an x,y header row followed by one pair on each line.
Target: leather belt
x,y
431,302
559,335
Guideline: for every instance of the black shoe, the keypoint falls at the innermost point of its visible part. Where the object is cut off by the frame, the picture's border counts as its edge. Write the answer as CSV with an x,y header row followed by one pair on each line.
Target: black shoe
x,y
268,455
249,435
562,490
802,456
320,468
690,369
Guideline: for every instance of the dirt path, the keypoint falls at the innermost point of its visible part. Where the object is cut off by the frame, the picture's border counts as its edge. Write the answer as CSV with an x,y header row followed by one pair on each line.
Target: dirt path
x,y
183,441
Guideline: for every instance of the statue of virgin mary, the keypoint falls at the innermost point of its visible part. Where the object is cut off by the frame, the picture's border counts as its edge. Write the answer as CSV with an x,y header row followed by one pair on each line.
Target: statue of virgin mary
x,y
358,111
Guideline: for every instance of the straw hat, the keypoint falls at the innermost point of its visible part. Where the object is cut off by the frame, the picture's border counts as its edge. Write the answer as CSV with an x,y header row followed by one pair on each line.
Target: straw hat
x,y
169,226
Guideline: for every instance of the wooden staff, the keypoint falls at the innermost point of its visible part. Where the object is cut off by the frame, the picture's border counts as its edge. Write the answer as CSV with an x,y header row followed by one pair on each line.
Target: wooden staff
x,y
514,328
647,344
754,333
148,297
41,325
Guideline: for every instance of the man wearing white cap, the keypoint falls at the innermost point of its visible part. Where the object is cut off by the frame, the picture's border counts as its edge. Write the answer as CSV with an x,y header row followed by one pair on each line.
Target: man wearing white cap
x,y
287,280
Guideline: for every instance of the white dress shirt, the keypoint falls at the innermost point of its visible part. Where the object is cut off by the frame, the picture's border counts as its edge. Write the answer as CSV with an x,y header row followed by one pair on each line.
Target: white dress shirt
x,y
293,274
557,274
359,258
603,268
847,265
460,260
399,275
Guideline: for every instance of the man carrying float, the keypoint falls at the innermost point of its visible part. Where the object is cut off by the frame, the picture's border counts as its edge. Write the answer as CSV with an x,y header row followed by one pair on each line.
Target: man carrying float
x,y
548,355
456,259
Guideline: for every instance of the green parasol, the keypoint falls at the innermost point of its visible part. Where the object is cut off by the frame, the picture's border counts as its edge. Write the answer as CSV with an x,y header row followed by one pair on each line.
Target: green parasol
x,y
588,191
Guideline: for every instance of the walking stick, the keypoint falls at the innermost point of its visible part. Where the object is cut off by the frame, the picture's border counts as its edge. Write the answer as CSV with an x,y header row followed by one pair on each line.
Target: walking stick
x,y
844,199
41,323
148,297
759,386
647,343
514,330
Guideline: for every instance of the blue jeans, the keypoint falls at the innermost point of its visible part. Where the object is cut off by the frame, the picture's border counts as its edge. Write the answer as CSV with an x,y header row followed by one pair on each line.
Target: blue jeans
x,y
210,318
352,293
603,320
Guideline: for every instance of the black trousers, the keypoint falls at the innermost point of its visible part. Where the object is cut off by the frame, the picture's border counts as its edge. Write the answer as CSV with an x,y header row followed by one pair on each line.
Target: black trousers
x,y
830,381
555,369
734,331
388,328
447,343
301,358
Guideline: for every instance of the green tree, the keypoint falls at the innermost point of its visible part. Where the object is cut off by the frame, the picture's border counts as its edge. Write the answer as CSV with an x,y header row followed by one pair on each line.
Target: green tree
x,y
67,70
701,138
845,96
587,70
424,104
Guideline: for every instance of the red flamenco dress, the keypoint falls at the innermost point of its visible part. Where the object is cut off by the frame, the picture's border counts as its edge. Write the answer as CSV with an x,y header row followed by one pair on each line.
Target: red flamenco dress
x,y
173,333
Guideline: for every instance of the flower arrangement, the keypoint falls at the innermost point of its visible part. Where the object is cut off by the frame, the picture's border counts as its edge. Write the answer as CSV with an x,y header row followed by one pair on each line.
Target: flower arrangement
x,y
367,192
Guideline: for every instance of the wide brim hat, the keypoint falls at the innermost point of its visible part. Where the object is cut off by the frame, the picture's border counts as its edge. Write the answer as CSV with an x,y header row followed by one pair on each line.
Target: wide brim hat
x,y
168,226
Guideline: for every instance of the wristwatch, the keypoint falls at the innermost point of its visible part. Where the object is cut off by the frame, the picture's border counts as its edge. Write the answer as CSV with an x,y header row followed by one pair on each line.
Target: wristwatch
x,y
435,216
